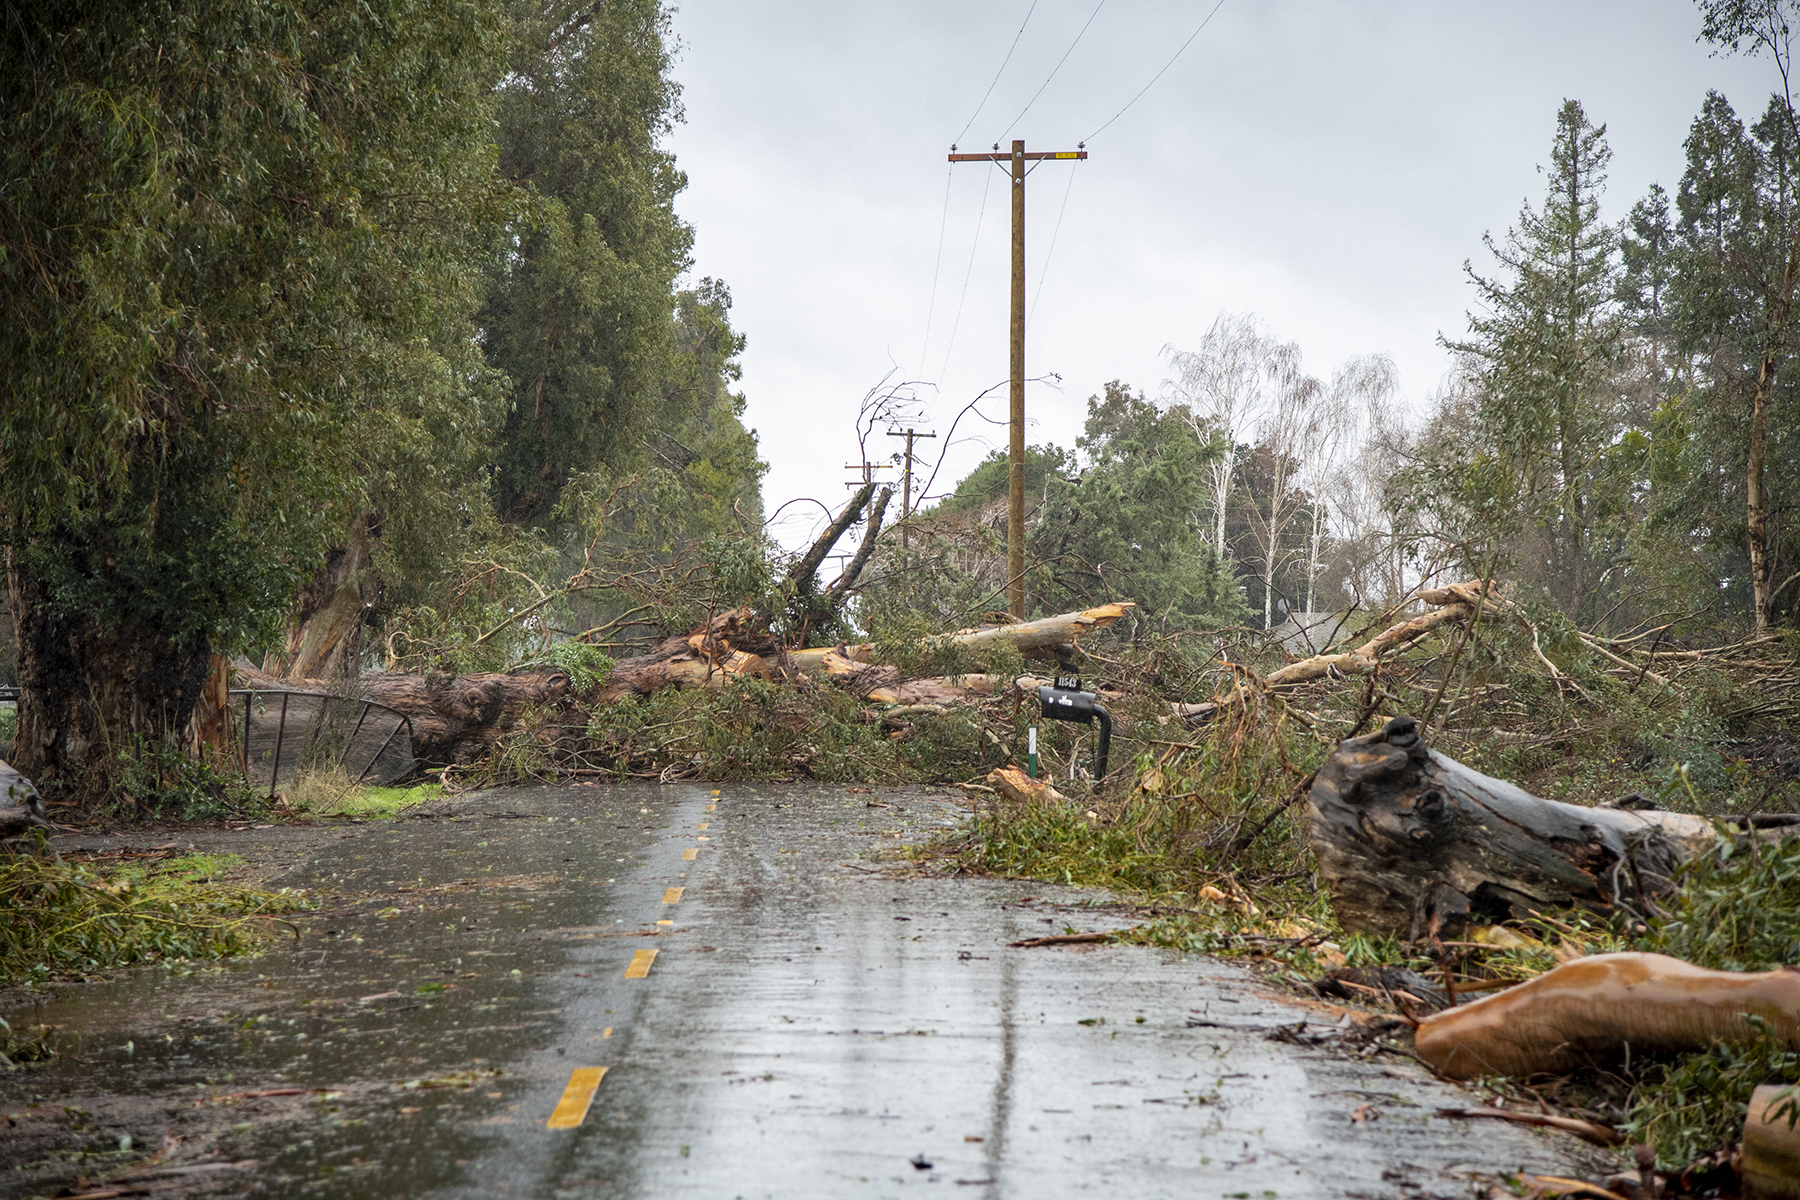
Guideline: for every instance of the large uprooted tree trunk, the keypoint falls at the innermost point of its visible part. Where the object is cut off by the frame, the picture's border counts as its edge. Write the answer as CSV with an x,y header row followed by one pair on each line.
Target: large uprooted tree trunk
x,y
1414,843
457,719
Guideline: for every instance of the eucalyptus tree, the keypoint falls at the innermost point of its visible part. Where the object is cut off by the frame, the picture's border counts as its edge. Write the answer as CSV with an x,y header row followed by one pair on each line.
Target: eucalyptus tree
x,y
231,235
1362,386
1286,433
1369,551
578,316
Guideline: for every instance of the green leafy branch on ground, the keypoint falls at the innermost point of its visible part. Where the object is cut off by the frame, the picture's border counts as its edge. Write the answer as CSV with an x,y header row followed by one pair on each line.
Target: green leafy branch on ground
x,y
75,919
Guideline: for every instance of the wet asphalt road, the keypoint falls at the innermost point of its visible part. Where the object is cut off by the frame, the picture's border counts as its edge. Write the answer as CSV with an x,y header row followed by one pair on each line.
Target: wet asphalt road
x,y
758,1004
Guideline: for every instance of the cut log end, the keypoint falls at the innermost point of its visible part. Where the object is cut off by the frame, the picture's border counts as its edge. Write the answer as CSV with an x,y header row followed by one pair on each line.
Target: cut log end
x,y
1416,844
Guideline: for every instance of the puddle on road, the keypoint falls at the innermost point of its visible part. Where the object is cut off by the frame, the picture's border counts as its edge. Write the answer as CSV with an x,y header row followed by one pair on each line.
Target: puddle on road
x,y
368,1056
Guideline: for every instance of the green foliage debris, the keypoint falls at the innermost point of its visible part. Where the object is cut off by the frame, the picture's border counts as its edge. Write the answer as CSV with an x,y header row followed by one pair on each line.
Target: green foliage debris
x,y
72,919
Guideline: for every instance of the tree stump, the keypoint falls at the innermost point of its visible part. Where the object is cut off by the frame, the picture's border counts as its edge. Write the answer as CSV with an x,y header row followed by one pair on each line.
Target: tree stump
x,y
1413,843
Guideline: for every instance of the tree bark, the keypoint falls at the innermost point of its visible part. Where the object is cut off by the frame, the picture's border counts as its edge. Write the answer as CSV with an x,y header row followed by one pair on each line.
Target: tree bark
x,y
90,691
1455,603
457,719
807,569
325,640
1415,844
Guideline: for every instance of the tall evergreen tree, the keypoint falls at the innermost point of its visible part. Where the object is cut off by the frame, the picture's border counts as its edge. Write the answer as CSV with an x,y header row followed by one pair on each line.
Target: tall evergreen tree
x,y
1764,206
1543,343
1731,305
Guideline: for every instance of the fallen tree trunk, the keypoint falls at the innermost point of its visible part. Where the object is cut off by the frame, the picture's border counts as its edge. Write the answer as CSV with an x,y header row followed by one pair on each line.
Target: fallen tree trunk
x,y
455,719
1042,638
1413,843
1771,1162
1453,605
458,719
1587,1010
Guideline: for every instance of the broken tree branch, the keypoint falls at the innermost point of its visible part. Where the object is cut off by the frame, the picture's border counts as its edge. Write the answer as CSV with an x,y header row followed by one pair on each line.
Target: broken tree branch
x,y
840,588
801,577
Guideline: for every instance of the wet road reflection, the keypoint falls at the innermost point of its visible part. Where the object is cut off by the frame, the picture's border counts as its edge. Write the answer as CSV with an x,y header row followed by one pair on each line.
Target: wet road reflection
x,y
675,991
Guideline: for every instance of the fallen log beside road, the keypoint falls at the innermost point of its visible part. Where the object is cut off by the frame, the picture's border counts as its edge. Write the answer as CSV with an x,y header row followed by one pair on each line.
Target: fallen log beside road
x,y
1416,844
1589,1009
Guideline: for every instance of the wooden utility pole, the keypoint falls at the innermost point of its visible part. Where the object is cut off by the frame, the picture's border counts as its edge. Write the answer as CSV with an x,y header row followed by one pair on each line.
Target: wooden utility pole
x,y
1015,498
906,483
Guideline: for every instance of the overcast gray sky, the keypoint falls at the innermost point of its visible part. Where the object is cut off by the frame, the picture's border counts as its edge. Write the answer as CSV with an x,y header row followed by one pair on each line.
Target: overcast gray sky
x,y
1328,166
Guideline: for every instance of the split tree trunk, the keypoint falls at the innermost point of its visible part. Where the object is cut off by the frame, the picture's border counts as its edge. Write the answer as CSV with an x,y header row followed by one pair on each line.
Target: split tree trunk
x,y
325,640
1416,844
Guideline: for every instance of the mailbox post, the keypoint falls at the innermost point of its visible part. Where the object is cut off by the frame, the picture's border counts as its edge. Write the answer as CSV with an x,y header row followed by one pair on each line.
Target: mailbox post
x,y
1065,701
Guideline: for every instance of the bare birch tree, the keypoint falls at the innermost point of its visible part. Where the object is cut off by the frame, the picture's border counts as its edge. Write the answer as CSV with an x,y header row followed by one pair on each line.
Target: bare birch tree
x,y
1283,435
1223,386
1364,383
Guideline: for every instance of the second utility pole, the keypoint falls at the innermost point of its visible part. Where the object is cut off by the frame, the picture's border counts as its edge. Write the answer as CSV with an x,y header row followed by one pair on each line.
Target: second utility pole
x,y
1015,479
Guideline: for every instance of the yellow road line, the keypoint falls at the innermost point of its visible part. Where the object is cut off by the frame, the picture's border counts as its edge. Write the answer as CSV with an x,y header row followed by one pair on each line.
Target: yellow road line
x,y
665,922
640,964
572,1109
703,826
607,1032
672,895
690,854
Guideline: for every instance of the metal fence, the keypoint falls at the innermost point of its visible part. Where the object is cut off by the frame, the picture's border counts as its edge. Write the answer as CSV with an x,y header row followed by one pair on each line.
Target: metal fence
x,y
277,733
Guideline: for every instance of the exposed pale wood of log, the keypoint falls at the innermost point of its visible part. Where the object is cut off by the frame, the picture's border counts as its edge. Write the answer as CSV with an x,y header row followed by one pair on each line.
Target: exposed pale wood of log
x,y
1771,1161
1020,788
1588,1010
1039,638
1411,842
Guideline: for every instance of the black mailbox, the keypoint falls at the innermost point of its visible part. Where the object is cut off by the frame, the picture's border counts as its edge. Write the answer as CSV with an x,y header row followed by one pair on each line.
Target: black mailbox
x,y
1080,708
1061,705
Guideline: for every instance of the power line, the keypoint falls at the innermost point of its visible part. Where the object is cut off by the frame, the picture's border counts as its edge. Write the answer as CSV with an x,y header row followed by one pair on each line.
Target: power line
x,y
1044,271
1209,16
1001,71
937,266
967,275
1055,69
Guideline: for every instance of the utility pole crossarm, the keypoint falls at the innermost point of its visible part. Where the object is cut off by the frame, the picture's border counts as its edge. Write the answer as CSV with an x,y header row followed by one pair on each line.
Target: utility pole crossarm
x,y
1006,156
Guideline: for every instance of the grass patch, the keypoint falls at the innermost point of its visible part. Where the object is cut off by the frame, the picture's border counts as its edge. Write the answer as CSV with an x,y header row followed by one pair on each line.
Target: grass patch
x,y
67,919
1211,831
333,793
